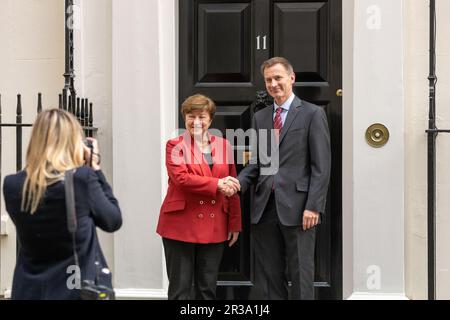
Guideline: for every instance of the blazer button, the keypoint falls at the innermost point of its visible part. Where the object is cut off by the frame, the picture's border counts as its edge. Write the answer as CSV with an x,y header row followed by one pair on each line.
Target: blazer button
x,y
201,202
213,202
200,216
212,215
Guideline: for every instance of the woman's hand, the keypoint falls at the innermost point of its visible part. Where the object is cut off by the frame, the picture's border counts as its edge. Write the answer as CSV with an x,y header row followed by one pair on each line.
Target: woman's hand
x,y
95,154
229,186
232,237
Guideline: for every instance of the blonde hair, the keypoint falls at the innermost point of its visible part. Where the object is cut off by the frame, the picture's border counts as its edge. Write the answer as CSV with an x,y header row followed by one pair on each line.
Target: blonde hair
x,y
198,102
56,145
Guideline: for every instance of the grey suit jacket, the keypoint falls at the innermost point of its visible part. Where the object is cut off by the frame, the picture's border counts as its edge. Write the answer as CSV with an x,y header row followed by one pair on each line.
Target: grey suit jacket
x,y
298,168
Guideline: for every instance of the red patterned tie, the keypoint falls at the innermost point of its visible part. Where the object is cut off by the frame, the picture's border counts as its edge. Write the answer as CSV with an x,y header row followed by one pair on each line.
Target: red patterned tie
x,y
278,124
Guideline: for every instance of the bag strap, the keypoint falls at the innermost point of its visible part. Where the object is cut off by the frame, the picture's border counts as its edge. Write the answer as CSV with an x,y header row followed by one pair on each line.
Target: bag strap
x,y
70,209
70,201
72,217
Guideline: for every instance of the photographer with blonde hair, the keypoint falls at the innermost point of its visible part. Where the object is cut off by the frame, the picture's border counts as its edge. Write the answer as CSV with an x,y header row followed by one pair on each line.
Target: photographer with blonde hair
x,y
35,200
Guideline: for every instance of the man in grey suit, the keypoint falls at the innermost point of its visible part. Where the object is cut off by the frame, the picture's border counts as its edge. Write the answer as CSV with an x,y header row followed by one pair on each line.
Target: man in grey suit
x,y
291,187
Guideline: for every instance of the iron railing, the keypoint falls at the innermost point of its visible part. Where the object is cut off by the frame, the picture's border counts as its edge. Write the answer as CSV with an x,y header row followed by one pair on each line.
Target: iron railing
x,y
68,100
432,132
79,107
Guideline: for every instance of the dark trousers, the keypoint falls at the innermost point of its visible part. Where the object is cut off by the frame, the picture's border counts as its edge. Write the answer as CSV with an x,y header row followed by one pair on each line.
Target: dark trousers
x,y
281,254
192,264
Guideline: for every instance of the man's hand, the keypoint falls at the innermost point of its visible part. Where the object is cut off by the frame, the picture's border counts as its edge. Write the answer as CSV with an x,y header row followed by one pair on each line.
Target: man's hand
x,y
232,237
229,186
233,183
310,219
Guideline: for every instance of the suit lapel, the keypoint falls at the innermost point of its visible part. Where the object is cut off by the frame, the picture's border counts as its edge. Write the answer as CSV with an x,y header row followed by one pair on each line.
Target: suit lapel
x,y
292,114
267,124
267,118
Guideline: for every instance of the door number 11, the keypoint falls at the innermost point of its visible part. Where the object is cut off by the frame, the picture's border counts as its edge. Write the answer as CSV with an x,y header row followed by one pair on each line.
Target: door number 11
x,y
258,43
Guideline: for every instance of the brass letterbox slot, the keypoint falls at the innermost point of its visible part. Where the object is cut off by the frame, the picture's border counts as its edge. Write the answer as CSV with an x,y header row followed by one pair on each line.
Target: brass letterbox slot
x,y
377,135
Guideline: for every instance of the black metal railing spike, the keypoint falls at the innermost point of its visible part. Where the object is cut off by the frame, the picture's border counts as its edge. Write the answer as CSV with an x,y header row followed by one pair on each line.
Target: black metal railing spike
x,y
60,106
82,113
39,105
69,105
65,99
77,109
77,115
74,101
19,105
19,133
86,115
91,120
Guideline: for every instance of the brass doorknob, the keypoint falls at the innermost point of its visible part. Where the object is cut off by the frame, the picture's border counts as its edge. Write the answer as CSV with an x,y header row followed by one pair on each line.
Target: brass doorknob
x,y
339,93
246,157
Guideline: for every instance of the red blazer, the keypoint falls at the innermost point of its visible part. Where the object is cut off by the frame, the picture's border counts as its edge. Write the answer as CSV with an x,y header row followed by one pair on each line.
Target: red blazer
x,y
194,210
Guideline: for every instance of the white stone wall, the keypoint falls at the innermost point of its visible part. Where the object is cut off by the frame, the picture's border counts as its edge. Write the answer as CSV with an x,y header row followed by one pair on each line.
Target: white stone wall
x,y
144,114
378,175
31,61
93,69
416,28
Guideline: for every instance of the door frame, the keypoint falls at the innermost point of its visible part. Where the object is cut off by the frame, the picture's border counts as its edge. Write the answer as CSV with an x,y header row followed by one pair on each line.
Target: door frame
x,y
339,280
352,141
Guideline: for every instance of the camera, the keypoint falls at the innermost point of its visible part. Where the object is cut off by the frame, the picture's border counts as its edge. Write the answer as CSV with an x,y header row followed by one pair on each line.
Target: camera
x,y
92,291
88,143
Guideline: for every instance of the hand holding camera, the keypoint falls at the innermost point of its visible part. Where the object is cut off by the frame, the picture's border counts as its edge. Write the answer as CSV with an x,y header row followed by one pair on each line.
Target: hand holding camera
x,y
92,153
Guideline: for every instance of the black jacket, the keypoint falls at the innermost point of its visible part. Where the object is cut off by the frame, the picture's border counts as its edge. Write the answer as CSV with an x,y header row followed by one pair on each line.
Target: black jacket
x,y
45,261
298,169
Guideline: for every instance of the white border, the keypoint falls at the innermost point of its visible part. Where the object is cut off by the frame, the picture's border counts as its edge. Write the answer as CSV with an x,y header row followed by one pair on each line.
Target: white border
x,y
377,296
141,294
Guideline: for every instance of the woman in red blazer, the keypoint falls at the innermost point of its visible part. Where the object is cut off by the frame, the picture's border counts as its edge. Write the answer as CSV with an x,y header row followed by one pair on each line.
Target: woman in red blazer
x,y
201,210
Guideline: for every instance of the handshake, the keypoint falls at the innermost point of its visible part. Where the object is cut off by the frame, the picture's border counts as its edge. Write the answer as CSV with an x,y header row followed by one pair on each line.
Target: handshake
x,y
229,186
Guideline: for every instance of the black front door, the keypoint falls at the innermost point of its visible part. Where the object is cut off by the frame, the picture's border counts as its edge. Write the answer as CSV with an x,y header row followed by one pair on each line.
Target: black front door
x,y
222,45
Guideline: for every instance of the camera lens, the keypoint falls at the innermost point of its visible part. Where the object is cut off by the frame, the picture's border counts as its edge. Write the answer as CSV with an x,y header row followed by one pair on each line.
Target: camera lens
x,y
88,143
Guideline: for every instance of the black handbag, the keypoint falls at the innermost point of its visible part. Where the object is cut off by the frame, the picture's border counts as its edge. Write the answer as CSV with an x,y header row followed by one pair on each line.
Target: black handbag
x,y
90,290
